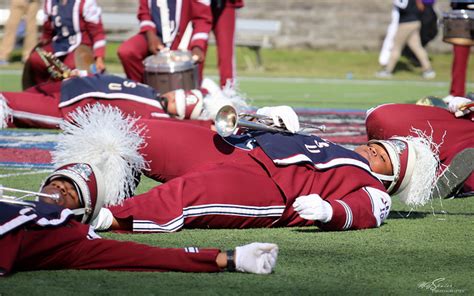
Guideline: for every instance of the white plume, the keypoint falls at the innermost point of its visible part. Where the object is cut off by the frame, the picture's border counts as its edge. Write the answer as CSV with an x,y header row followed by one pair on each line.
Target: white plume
x,y
217,98
104,137
420,189
5,112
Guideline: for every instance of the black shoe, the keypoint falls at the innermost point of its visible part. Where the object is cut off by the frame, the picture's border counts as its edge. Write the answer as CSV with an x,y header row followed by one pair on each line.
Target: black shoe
x,y
453,177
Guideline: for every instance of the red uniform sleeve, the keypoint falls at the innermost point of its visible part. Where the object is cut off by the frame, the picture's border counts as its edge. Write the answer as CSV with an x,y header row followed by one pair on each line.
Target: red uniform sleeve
x,y
234,3
365,208
144,16
47,34
91,13
75,246
202,23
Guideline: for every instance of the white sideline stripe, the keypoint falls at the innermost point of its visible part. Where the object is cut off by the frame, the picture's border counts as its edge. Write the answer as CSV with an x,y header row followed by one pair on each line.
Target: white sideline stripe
x,y
25,173
313,80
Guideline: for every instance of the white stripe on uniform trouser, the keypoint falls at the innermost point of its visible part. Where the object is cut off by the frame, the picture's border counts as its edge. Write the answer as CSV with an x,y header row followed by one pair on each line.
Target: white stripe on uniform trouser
x,y
209,209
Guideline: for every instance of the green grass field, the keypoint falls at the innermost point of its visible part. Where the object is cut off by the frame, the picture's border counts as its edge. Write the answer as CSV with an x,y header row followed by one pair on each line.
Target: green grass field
x,y
417,251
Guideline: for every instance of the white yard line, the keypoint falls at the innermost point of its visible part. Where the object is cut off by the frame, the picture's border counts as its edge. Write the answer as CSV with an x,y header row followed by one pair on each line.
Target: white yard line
x,y
25,173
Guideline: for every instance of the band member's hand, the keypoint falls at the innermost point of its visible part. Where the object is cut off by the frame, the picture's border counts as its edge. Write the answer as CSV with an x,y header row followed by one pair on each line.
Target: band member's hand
x,y
313,207
197,54
282,115
257,258
43,42
459,106
465,109
103,221
99,64
154,42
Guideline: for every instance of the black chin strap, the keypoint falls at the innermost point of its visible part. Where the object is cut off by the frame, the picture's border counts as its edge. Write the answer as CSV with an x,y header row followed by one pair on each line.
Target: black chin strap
x,y
163,102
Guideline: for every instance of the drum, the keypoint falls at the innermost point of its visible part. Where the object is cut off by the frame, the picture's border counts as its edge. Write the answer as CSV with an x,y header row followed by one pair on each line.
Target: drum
x,y
170,70
458,27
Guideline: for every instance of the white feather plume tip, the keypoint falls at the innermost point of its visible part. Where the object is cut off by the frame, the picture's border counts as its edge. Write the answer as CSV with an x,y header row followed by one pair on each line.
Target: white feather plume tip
x,y
5,112
422,183
104,137
217,98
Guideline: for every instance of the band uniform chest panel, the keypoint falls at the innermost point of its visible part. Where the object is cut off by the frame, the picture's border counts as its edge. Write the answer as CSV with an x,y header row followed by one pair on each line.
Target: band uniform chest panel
x,y
285,149
165,28
39,214
65,18
106,87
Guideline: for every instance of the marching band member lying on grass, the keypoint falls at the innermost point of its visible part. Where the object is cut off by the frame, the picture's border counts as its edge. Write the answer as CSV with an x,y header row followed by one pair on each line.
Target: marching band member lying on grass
x,y
256,179
47,105
456,133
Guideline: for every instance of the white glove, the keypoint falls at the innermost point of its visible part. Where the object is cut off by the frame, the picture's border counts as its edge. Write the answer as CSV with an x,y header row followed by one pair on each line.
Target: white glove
x,y
313,207
103,221
457,105
283,113
257,258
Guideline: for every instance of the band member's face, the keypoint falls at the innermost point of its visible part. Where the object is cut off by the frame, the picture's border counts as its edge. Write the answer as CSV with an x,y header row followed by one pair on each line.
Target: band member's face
x,y
378,158
68,196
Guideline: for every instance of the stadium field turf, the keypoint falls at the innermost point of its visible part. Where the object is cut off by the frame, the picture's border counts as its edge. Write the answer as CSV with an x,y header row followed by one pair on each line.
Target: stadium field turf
x,y
416,252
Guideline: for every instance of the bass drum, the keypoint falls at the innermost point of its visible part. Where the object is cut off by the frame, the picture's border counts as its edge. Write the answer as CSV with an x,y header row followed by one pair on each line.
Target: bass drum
x,y
458,27
170,70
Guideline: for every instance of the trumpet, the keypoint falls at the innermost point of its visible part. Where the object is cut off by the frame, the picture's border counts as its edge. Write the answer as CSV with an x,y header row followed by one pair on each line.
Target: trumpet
x,y
13,199
227,121
56,68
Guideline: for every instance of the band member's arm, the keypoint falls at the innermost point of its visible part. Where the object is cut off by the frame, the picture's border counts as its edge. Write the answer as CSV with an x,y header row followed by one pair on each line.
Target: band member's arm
x,y
202,24
144,17
47,34
98,253
92,15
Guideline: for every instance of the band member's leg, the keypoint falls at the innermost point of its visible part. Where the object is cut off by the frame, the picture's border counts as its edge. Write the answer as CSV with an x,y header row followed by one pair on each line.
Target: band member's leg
x,y
131,54
224,30
32,109
37,69
459,70
231,195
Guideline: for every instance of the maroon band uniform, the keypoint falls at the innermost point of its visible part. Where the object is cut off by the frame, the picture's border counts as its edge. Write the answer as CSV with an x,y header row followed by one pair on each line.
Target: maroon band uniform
x,y
181,12
32,240
212,184
69,24
455,134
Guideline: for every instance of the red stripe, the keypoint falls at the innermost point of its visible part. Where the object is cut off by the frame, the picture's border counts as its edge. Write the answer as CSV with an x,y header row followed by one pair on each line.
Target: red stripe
x,y
24,155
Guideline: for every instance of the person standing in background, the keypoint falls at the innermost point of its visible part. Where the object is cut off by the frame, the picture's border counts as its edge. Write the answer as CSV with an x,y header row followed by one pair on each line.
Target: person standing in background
x,y
408,32
461,53
223,26
19,9
162,26
387,44
428,31
67,25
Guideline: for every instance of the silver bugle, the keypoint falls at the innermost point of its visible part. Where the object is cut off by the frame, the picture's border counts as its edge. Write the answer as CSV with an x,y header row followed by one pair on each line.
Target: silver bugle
x,y
4,190
227,121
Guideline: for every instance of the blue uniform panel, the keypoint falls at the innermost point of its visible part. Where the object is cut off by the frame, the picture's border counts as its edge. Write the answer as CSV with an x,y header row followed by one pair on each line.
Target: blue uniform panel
x,y
63,21
286,149
39,214
105,86
156,16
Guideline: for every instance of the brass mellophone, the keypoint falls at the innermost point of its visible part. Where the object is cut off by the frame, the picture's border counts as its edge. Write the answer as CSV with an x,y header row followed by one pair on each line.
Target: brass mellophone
x,y
20,199
56,68
227,121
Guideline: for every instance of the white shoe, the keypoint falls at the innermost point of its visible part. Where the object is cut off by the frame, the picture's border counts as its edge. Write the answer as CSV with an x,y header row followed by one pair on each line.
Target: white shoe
x,y
429,74
383,74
